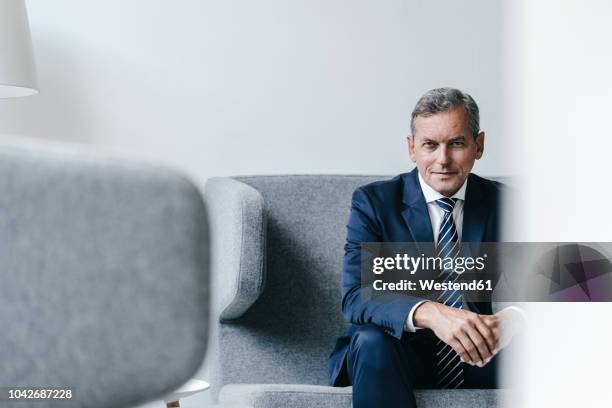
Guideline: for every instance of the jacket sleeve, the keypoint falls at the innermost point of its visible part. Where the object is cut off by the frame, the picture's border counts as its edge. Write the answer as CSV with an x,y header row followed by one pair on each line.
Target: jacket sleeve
x,y
389,314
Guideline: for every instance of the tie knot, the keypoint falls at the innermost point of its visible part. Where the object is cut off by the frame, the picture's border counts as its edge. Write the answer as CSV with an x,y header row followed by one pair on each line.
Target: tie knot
x,y
447,204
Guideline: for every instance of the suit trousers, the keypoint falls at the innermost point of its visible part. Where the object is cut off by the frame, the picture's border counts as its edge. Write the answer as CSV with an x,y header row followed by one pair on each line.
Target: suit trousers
x,y
385,371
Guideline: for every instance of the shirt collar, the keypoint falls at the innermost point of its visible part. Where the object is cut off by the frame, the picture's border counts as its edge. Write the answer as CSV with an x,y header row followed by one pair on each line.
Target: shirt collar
x,y
432,195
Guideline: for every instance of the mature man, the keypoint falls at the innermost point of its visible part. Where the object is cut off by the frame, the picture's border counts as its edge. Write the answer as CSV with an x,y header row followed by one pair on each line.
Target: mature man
x,y
396,346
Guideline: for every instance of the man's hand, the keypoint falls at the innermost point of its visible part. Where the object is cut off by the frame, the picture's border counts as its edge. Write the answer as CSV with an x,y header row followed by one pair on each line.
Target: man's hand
x,y
476,338
473,337
505,324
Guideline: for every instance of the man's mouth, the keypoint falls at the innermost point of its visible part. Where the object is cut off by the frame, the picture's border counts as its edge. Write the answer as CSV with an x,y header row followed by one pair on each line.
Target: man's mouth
x,y
445,173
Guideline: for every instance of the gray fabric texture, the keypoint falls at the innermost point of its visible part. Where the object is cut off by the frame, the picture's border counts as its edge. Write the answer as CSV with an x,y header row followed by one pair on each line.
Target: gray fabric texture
x,y
287,334
284,331
237,231
104,276
312,396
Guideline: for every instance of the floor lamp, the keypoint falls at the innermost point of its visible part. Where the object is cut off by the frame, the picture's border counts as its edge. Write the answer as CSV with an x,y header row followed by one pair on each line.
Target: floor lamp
x,y
17,72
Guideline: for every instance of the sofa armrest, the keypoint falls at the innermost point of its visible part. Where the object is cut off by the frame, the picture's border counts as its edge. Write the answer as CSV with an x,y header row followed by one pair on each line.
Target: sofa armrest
x,y
237,232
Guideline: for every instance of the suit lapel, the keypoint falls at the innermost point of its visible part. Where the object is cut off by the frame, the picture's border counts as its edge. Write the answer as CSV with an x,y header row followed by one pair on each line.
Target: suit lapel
x,y
475,215
475,212
415,213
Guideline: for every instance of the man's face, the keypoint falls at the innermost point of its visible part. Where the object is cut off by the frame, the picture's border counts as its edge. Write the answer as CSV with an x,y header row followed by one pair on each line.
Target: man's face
x,y
444,149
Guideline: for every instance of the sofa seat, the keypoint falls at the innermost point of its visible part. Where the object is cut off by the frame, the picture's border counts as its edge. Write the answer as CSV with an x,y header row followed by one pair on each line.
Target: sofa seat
x,y
317,396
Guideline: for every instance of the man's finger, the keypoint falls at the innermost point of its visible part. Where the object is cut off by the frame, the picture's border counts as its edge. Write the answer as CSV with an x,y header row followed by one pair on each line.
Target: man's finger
x,y
460,350
469,346
481,344
488,334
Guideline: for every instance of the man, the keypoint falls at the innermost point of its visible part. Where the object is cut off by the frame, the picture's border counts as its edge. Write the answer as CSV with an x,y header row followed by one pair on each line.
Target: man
x,y
396,346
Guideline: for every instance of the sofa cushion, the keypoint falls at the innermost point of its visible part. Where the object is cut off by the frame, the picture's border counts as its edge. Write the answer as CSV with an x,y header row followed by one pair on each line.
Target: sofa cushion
x,y
316,396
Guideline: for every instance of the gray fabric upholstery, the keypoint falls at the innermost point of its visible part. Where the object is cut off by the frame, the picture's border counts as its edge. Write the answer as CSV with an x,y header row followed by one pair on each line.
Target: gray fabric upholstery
x,y
104,276
286,396
310,396
288,333
284,331
238,231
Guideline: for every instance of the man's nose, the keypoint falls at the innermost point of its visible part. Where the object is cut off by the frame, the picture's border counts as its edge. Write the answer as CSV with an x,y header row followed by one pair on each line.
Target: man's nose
x,y
443,155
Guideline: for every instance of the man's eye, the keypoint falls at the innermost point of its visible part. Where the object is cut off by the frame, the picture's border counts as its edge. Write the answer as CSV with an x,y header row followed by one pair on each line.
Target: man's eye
x,y
458,144
428,144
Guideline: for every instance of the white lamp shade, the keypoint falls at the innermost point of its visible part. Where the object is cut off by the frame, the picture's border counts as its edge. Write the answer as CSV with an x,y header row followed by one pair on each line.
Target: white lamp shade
x,y
17,72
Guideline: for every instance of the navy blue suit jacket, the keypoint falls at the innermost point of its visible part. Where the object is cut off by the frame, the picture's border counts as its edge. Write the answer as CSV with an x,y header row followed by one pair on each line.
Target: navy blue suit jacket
x,y
395,211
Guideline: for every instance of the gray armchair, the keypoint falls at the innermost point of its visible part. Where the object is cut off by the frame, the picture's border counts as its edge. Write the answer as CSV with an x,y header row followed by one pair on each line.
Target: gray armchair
x,y
104,276
276,251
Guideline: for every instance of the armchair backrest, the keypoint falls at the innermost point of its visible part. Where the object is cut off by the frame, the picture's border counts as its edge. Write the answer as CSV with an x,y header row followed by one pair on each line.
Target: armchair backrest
x,y
104,276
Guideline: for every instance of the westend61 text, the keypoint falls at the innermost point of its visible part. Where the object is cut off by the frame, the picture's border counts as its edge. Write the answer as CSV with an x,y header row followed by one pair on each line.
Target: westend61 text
x,y
432,285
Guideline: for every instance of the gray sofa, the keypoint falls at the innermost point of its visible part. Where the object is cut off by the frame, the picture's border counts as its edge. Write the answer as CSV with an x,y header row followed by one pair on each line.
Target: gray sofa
x,y
104,276
276,258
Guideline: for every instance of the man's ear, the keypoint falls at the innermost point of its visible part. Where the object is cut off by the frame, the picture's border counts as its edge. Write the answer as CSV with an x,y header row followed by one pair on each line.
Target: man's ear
x,y
411,148
480,145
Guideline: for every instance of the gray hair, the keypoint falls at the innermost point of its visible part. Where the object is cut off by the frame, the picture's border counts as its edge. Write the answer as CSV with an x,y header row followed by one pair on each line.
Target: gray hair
x,y
443,99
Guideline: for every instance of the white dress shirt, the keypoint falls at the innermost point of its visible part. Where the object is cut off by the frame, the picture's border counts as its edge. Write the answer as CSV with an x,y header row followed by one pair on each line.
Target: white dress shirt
x,y
436,215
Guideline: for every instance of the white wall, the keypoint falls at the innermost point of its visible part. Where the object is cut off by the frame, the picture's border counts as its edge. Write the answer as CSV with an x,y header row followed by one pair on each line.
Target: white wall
x,y
245,87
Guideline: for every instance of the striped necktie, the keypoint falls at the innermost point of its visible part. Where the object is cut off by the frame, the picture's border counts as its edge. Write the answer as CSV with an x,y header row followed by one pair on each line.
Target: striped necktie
x,y
449,368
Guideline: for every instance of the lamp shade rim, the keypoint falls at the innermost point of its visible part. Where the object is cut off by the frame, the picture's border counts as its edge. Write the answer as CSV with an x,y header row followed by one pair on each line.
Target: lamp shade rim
x,y
16,91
